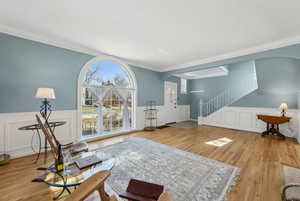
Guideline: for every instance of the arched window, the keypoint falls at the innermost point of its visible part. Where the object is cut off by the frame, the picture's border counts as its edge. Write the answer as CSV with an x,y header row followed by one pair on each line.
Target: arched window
x,y
107,98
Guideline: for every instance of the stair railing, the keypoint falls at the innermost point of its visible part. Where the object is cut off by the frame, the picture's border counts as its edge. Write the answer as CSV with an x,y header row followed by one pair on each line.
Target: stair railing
x,y
229,96
223,99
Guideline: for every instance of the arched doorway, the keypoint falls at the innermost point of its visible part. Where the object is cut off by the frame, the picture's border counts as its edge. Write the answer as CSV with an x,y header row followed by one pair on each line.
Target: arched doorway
x,y
106,98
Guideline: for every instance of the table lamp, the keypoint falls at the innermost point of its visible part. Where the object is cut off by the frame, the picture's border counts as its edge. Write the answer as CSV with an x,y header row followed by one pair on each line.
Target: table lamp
x,y
283,108
45,93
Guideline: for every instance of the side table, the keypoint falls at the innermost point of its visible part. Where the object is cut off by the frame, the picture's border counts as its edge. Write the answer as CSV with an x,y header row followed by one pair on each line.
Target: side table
x,y
274,121
35,129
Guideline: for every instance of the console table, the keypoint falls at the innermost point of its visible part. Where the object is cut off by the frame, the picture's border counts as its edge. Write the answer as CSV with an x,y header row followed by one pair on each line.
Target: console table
x,y
274,121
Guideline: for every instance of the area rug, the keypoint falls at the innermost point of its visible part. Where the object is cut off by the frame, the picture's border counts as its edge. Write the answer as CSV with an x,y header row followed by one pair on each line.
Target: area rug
x,y
188,177
185,124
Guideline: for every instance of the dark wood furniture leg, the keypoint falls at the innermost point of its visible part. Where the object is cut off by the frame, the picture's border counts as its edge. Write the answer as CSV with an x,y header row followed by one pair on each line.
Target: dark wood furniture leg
x,y
274,130
267,131
279,134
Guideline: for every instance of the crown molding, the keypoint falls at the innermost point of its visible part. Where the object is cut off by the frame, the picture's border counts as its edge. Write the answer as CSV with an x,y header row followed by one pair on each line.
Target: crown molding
x,y
54,42
83,49
65,44
239,53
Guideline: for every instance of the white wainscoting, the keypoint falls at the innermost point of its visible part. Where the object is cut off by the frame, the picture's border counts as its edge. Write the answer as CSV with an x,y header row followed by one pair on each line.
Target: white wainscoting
x,y
18,143
244,118
183,114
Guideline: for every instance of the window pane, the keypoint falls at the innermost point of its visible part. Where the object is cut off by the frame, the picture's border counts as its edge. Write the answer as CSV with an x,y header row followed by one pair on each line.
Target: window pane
x,y
107,112
183,86
103,103
90,100
90,124
106,73
116,111
89,113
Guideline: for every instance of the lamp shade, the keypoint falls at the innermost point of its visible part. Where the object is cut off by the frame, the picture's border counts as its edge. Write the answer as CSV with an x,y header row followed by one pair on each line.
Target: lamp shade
x,y
283,106
45,93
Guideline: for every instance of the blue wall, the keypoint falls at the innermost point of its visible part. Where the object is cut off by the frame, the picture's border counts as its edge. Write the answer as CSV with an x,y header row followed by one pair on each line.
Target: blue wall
x,y
26,65
292,51
241,79
255,99
150,86
259,99
278,81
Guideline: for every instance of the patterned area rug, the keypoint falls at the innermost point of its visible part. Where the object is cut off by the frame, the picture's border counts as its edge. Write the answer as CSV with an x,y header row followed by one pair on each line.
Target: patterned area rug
x,y
187,176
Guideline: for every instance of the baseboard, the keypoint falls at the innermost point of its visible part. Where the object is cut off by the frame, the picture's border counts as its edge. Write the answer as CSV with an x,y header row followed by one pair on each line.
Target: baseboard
x,y
111,136
231,127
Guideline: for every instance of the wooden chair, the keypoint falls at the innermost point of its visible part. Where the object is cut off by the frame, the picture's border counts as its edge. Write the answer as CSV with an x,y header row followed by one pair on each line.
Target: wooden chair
x,y
96,183
92,184
165,196
50,137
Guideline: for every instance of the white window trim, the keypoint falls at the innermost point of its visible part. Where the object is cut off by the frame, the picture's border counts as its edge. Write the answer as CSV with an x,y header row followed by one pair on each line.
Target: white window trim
x,y
83,71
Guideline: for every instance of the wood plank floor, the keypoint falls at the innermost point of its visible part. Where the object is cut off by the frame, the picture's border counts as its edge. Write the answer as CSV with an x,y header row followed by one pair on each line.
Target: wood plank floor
x,y
259,158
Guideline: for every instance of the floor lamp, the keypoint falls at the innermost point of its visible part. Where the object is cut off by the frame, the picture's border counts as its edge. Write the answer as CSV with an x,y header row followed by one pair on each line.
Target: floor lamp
x,y
46,108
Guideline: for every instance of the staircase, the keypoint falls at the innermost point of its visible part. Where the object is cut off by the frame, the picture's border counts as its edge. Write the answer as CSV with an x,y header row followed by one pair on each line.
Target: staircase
x,y
227,97
214,104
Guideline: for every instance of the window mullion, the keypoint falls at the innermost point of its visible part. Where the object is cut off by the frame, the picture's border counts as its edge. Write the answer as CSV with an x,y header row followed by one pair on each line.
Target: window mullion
x,y
100,115
111,94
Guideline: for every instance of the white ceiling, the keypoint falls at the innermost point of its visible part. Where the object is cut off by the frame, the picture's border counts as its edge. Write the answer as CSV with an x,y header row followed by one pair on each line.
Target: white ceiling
x,y
159,34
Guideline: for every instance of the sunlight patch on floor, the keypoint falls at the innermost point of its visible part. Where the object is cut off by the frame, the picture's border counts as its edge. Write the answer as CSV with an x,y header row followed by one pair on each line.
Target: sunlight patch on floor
x,y
219,142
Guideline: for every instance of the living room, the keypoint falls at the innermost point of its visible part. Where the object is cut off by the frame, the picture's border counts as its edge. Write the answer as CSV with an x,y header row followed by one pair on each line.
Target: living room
x,y
169,100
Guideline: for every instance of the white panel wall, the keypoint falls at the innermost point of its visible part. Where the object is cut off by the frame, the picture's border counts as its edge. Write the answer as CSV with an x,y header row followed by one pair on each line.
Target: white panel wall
x,y
183,114
244,118
18,143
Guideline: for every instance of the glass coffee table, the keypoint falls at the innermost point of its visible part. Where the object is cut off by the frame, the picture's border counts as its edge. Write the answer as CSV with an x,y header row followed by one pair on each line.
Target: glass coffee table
x,y
71,176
